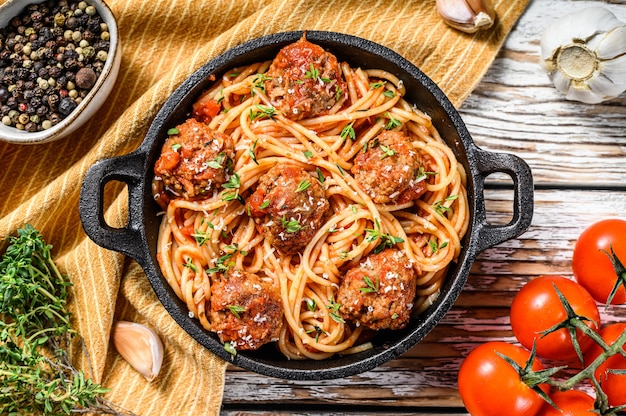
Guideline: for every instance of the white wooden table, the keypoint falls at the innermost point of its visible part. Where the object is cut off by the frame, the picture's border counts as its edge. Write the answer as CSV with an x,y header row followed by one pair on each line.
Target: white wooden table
x,y
577,153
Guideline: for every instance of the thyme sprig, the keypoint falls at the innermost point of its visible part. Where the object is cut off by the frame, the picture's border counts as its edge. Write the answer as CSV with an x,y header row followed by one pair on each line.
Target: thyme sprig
x,y
36,375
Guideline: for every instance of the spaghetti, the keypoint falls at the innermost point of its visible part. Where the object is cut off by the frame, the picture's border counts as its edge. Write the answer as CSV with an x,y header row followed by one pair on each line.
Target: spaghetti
x,y
372,207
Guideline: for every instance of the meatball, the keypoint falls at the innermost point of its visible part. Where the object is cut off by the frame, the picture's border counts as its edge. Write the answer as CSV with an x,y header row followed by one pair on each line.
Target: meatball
x,y
195,160
290,206
304,80
387,171
245,310
379,292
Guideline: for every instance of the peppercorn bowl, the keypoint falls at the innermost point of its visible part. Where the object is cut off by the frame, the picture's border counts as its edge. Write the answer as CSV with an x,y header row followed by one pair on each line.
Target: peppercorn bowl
x,y
138,239
58,64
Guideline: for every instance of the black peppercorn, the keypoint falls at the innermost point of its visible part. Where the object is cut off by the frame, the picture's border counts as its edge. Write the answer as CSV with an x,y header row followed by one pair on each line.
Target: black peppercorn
x,y
71,23
66,106
4,94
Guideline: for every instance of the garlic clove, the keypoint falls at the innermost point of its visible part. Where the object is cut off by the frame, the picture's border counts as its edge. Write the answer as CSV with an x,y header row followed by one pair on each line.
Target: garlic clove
x,y
467,15
612,45
615,70
140,347
590,22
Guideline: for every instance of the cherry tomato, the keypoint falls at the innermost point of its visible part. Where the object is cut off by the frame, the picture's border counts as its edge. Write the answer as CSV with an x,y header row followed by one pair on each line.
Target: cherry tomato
x,y
537,307
569,403
592,266
613,385
488,385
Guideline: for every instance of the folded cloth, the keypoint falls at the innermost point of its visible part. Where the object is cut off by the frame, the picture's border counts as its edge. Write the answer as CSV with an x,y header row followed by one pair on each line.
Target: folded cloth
x,y
163,43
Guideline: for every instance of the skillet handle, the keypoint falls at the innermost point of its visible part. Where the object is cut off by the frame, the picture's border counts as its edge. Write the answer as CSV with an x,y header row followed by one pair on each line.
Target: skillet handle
x,y
129,169
523,201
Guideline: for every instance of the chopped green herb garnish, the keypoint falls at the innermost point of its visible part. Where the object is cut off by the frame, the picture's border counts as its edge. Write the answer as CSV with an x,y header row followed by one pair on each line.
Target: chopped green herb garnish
x,y
189,264
291,226
308,154
303,185
387,151
348,131
265,204
252,151
176,146
311,304
201,237
378,84
439,206
258,82
218,161
172,131
387,240
320,175
389,94
423,174
370,286
333,307
230,348
314,74
262,111
393,123
236,310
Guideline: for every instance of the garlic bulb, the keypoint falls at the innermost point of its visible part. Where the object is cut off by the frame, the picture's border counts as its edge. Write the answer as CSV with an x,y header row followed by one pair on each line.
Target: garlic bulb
x,y
140,347
467,15
584,54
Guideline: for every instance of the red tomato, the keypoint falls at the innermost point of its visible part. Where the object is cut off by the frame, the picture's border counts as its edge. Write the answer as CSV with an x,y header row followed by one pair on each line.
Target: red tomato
x,y
592,266
537,307
614,385
488,385
570,403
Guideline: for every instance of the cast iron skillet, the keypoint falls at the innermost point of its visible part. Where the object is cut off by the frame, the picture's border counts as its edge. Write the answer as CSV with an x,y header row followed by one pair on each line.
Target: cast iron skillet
x,y
138,239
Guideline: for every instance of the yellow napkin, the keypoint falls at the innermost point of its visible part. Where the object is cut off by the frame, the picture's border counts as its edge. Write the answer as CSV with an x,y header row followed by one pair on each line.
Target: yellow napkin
x,y
164,42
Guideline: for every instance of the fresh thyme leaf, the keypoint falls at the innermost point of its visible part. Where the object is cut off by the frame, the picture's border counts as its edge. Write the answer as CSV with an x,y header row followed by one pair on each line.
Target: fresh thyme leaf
x,y
36,375
375,85
172,131
389,94
311,305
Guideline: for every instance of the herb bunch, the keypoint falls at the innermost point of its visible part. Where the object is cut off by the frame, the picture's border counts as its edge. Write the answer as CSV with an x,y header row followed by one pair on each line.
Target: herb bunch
x,y
36,375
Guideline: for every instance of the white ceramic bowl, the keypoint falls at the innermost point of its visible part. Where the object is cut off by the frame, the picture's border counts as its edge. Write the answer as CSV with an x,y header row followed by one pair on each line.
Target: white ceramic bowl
x,y
96,96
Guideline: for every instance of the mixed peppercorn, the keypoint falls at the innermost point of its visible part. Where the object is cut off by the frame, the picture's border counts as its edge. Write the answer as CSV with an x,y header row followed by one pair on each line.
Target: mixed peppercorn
x,y
51,55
